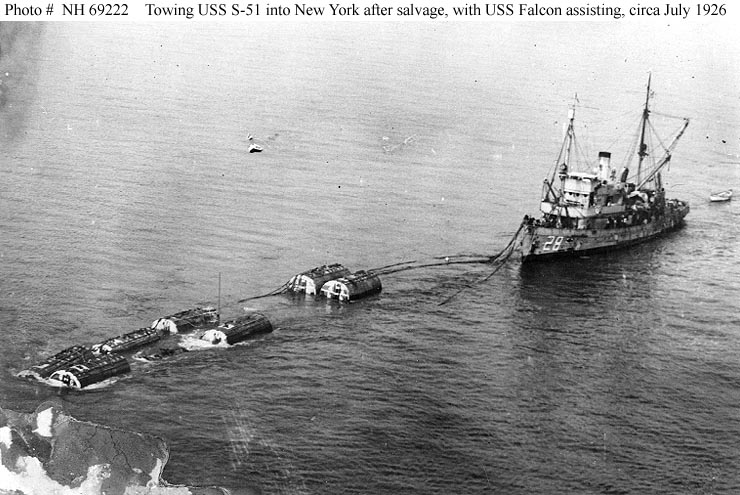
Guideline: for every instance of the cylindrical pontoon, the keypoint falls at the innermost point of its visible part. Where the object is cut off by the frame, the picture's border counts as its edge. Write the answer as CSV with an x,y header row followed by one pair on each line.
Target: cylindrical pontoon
x,y
187,320
311,281
238,329
127,342
72,355
93,371
352,287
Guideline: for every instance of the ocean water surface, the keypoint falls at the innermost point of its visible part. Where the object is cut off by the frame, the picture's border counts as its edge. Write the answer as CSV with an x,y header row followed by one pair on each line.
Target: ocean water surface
x,y
126,189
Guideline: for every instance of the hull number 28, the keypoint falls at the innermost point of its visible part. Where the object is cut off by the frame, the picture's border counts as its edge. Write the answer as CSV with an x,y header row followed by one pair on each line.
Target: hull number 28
x,y
553,243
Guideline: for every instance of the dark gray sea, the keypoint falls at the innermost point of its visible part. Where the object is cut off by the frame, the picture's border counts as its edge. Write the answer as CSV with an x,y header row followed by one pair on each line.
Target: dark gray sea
x,y
126,189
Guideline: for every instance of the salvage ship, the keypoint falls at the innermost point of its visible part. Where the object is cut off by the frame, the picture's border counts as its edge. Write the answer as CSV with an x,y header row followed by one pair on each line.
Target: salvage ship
x,y
597,208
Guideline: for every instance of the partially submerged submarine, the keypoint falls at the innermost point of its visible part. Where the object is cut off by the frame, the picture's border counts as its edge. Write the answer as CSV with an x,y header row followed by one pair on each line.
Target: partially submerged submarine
x,y
81,366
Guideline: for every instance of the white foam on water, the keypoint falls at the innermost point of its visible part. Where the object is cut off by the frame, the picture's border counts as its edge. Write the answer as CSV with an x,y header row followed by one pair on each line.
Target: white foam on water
x,y
44,420
6,437
192,343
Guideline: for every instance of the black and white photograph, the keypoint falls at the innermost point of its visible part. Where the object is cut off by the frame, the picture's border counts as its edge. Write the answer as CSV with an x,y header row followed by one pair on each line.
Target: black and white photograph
x,y
369,248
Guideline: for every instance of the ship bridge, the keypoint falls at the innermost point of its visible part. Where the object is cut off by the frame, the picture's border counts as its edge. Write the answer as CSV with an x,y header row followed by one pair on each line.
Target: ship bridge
x,y
589,194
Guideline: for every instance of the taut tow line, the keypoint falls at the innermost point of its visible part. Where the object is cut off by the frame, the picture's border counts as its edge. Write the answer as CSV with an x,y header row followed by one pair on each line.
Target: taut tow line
x,y
280,290
499,260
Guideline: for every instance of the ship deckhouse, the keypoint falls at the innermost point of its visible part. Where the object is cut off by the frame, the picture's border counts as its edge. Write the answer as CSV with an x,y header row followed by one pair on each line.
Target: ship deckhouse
x,y
587,194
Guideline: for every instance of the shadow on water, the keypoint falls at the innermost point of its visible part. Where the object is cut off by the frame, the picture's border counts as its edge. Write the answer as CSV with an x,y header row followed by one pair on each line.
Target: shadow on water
x,y
602,278
586,286
608,302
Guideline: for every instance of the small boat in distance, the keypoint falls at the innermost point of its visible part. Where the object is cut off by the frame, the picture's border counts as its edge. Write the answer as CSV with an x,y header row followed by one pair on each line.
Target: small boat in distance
x,y
721,196
596,207
255,148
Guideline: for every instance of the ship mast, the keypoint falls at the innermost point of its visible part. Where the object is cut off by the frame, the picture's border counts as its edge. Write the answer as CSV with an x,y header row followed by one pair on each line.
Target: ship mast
x,y
563,168
654,174
571,133
642,151
666,159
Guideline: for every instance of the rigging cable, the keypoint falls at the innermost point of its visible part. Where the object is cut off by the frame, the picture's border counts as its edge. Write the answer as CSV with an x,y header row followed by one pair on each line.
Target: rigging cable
x,y
280,290
443,260
501,258
667,115
665,148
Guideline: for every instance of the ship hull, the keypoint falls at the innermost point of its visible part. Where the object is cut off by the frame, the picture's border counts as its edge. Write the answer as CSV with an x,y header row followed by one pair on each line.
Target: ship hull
x,y
541,243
